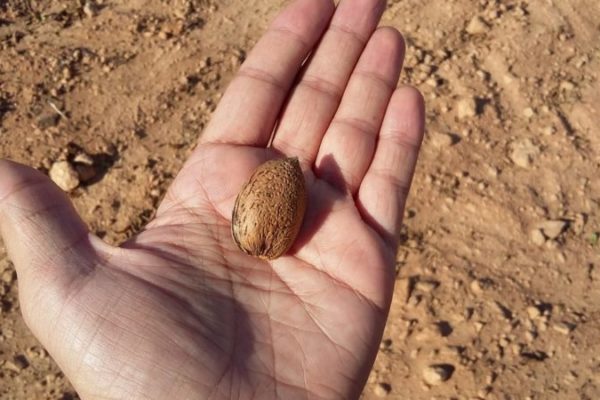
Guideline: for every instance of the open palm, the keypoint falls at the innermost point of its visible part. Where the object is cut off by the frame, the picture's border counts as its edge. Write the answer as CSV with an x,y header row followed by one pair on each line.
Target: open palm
x,y
178,311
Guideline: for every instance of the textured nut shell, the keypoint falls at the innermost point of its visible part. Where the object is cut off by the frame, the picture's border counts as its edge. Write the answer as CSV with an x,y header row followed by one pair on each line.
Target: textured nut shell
x,y
269,209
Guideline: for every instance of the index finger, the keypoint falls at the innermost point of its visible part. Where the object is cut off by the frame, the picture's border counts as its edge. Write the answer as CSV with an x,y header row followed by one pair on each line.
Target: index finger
x,y
250,106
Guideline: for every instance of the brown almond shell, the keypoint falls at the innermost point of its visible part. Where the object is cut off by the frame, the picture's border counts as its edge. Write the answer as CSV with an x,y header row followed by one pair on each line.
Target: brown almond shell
x,y
269,209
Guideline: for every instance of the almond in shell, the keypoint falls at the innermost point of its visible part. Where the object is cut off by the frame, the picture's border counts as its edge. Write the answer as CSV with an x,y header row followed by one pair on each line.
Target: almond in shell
x,y
269,209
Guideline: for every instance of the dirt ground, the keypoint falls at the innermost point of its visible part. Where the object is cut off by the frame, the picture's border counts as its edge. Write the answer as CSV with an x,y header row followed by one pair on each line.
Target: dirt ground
x,y
498,285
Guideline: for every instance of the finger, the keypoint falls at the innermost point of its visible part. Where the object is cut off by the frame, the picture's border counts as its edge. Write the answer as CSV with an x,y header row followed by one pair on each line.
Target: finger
x,y
349,143
317,95
45,238
251,104
382,194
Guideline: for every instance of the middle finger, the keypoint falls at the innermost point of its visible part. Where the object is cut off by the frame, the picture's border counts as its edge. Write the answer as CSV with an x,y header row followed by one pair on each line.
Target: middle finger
x,y
317,95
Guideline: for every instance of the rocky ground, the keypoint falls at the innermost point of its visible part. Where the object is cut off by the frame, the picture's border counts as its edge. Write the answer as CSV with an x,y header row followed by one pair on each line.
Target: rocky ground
x,y
498,284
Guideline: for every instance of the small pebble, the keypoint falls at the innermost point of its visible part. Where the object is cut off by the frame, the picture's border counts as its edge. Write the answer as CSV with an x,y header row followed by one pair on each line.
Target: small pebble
x,y
549,130
483,393
537,237
521,157
563,327
523,153
530,336
11,366
466,108
440,139
478,326
533,312
90,9
64,175
83,158
517,348
528,113
434,375
426,286
8,276
476,287
553,228
567,86
385,344
477,26
428,332
433,82
382,389
492,171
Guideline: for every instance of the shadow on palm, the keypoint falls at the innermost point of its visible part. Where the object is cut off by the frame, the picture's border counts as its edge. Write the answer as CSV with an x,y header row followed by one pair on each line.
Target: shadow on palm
x,y
333,239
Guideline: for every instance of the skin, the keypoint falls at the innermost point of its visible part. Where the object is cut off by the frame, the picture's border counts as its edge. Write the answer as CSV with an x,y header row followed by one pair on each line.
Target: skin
x,y
178,311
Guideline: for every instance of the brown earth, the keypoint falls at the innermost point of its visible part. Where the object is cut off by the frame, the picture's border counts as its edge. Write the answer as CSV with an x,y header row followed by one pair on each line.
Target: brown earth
x,y
499,270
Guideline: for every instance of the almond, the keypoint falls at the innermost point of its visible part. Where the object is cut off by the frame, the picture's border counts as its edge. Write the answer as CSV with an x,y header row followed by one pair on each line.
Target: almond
x,y
269,209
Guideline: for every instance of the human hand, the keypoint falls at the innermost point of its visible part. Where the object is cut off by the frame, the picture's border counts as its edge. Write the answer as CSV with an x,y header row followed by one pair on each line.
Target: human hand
x,y
178,311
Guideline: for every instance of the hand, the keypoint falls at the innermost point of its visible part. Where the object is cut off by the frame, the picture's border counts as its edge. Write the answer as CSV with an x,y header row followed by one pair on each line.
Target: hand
x,y
178,311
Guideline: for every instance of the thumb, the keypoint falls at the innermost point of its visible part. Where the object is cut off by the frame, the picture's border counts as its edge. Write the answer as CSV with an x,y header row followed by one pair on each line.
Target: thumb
x,y
45,237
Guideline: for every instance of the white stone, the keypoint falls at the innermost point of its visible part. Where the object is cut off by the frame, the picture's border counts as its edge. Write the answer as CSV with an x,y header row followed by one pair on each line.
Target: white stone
x,y
90,9
528,112
476,287
64,175
567,86
83,158
436,374
477,26
439,139
382,390
426,286
553,228
466,108
563,328
537,237
533,312
524,153
521,158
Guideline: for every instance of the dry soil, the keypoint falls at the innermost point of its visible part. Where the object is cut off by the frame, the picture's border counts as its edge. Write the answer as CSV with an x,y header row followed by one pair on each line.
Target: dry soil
x,y
498,283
